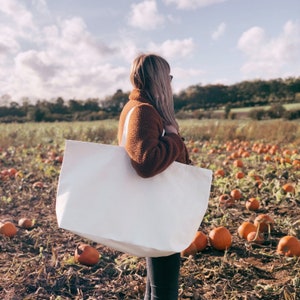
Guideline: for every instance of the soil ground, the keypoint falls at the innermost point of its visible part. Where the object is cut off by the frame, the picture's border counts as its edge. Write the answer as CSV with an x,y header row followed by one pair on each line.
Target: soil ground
x,y
39,263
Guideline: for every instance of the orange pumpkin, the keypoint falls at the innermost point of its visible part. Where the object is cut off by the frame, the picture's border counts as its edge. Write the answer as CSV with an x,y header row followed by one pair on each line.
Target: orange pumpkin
x,y
287,152
220,238
190,250
288,188
12,172
296,164
26,223
252,204
264,223
255,237
245,228
288,246
86,254
200,241
38,185
226,200
219,173
238,163
239,175
236,194
195,150
8,229
267,157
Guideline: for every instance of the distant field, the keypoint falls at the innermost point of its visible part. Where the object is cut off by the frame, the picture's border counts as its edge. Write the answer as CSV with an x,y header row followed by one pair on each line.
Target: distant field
x,y
191,129
290,106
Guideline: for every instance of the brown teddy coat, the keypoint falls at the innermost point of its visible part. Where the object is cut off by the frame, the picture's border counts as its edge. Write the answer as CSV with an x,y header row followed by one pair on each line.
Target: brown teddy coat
x,y
149,151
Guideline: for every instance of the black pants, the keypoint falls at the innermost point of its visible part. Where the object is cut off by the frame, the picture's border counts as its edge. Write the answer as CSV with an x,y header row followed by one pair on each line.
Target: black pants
x,y
162,277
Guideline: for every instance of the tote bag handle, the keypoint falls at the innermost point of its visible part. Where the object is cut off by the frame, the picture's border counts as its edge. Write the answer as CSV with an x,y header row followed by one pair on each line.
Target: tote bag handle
x,y
125,127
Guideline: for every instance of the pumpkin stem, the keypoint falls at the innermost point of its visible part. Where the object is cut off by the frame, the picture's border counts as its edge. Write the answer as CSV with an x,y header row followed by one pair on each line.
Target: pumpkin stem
x,y
269,231
79,250
257,232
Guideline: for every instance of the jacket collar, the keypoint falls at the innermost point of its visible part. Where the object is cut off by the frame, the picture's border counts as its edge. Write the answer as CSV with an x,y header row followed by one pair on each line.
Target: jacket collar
x,y
139,95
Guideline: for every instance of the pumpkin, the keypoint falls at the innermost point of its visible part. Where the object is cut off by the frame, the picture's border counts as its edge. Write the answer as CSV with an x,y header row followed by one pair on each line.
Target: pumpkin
x,y
12,172
255,237
238,163
200,241
220,238
38,185
296,164
25,223
236,194
267,157
195,150
190,250
226,200
252,204
8,229
288,246
239,175
288,188
245,228
219,173
264,223
86,254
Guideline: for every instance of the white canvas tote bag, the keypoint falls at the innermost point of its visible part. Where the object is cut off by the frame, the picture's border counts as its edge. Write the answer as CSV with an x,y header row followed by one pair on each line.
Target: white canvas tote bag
x,y
101,197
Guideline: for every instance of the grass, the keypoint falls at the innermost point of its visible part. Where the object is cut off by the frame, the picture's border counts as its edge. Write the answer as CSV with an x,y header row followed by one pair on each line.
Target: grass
x,y
289,106
33,134
47,133
223,130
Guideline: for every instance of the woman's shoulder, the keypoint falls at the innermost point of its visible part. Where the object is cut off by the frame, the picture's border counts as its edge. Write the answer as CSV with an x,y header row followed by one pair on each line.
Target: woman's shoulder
x,y
140,108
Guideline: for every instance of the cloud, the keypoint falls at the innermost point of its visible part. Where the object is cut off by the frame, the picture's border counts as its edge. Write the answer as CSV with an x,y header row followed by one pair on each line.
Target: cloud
x,y
145,15
8,42
192,4
267,56
18,13
39,64
219,31
64,59
183,77
73,36
174,48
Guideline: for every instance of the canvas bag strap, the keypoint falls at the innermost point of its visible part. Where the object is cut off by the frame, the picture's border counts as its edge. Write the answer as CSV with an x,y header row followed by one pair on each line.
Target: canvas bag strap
x,y
125,127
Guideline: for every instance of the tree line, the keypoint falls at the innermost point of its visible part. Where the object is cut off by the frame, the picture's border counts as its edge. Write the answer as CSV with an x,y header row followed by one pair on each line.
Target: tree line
x,y
255,94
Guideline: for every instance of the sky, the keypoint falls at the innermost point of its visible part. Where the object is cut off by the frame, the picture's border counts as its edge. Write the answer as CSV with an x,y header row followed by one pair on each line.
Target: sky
x,y
81,49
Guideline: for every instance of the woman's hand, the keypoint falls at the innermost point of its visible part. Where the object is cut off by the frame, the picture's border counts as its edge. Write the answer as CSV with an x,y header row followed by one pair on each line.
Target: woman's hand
x,y
170,129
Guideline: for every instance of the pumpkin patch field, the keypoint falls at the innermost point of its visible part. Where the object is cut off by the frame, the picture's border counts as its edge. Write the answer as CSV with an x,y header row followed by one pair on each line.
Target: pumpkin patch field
x,y
247,247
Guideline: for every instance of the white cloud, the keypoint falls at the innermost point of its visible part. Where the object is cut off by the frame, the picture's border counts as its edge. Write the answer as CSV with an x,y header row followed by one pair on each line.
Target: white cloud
x,y
73,36
192,4
184,77
38,64
8,42
252,41
145,15
15,10
65,59
268,56
219,31
174,48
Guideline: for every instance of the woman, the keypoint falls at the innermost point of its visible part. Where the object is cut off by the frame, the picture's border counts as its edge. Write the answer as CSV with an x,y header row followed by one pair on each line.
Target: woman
x,y
153,143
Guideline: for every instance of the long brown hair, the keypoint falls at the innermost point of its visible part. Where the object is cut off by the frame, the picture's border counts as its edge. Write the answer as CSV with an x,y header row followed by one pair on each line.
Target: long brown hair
x,y
151,73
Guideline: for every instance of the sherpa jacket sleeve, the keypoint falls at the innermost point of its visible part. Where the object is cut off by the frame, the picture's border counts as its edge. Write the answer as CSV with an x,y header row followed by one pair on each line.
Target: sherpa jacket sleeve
x,y
149,151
